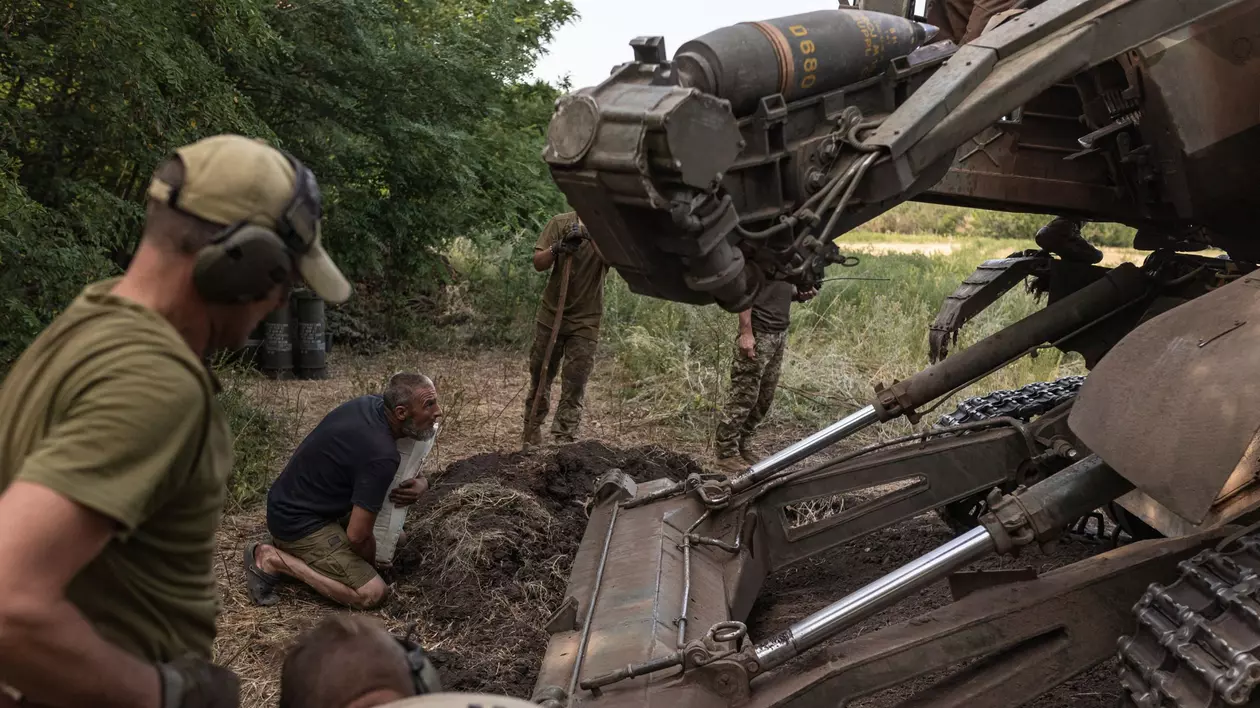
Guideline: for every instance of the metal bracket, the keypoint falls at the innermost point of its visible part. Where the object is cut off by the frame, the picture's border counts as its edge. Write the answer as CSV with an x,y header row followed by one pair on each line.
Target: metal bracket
x,y
967,582
885,487
649,50
1089,141
565,618
900,8
982,146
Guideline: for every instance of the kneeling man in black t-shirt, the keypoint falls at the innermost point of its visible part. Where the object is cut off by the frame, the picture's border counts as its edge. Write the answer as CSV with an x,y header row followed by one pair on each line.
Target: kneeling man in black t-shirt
x,y
322,508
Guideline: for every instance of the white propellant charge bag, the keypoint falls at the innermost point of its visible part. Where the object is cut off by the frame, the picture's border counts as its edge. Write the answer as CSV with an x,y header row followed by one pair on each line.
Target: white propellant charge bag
x,y
390,520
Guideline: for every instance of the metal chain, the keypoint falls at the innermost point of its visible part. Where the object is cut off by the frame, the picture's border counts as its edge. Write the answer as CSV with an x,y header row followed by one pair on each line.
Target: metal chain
x,y
1195,642
1022,403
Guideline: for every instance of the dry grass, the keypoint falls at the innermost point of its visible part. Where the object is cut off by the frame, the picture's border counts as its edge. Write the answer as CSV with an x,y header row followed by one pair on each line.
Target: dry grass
x,y
470,525
820,508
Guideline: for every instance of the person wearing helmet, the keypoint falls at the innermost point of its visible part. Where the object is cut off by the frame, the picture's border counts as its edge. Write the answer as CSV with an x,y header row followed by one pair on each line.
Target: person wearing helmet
x,y
115,453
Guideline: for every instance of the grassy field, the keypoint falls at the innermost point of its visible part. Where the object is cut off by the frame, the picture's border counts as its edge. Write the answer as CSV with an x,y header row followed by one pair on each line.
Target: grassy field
x,y
853,335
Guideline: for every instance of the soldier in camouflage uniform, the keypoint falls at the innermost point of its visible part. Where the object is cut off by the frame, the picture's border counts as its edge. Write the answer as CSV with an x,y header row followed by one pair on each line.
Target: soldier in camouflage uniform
x,y
565,237
755,372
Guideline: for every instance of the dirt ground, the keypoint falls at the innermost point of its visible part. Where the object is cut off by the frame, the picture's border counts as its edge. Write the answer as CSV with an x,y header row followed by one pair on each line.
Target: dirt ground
x,y
488,550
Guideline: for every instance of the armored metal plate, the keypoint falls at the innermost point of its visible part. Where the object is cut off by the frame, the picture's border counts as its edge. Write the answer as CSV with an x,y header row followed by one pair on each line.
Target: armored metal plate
x,y
572,130
704,139
1176,404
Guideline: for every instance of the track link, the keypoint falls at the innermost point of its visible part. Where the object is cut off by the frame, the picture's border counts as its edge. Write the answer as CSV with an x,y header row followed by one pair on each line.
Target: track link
x,y
1024,403
1197,642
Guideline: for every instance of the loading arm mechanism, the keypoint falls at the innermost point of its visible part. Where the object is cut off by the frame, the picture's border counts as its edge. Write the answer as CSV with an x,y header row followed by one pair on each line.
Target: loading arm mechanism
x,y
699,182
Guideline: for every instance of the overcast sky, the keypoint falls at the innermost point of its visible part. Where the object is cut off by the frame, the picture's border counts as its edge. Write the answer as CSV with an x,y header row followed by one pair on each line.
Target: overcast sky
x,y
588,48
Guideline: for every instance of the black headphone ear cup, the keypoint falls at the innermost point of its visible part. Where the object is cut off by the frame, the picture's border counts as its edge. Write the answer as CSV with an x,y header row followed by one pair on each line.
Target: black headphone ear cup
x,y
242,265
424,675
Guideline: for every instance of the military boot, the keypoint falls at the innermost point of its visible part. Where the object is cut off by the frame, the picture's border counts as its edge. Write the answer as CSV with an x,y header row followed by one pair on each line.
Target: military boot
x,y
1063,238
746,453
731,466
531,438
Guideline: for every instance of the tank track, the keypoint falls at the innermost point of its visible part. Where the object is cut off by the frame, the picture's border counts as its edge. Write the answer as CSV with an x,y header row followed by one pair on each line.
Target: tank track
x,y
1197,641
1024,404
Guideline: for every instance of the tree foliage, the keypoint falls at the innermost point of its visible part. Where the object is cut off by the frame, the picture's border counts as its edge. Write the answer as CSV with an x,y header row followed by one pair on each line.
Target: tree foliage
x,y
416,115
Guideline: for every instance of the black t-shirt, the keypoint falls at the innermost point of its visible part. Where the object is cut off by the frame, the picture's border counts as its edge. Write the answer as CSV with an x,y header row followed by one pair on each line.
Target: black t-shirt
x,y
348,460
770,309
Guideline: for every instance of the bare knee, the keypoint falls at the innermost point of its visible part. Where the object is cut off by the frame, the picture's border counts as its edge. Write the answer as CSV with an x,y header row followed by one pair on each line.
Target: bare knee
x,y
370,595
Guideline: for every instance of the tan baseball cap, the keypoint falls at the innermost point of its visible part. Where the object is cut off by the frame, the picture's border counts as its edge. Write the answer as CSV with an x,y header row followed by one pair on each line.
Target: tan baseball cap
x,y
231,178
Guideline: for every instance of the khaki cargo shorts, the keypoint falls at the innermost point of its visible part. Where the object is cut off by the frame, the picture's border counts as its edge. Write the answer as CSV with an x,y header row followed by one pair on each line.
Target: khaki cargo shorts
x,y
328,552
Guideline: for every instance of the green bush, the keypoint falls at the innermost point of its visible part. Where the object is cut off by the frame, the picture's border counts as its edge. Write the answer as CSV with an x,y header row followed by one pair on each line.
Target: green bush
x,y
1108,234
42,265
419,118
1006,225
263,437
919,218
674,359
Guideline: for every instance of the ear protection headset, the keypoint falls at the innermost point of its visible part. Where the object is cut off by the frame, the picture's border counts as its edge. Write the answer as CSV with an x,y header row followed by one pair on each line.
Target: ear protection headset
x,y
423,674
244,261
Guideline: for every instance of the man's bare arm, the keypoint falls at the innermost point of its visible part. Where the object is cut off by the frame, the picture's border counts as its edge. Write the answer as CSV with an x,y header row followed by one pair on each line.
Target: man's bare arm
x,y
543,259
362,540
48,650
746,341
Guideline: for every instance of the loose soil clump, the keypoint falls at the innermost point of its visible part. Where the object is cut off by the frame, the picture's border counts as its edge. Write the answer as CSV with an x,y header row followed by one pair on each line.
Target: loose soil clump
x,y
489,552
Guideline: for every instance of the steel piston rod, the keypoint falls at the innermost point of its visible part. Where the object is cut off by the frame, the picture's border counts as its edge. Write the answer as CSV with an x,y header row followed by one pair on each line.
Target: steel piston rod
x,y
796,452
1047,507
904,581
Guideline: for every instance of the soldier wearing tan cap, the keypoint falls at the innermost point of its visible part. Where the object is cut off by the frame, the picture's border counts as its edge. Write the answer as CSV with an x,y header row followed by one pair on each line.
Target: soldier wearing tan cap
x,y
114,452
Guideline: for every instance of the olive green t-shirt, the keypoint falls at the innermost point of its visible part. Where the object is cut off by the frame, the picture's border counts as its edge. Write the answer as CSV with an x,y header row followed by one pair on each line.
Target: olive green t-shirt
x,y
111,409
771,310
584,301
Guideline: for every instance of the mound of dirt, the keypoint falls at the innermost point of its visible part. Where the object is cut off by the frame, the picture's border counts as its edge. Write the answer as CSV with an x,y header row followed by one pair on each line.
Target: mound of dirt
x,y
490,550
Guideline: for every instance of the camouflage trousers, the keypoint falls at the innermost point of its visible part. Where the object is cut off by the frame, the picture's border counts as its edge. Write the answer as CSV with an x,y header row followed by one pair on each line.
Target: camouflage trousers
x,y
578,354
753,382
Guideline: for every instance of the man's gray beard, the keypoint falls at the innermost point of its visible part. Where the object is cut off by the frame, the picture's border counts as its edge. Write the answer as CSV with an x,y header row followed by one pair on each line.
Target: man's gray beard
x,y
412,431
